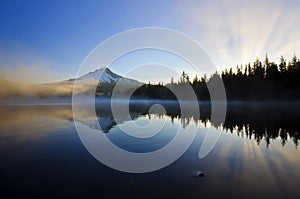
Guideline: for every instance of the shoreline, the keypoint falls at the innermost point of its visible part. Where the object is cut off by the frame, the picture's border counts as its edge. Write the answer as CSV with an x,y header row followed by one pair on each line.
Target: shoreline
x,y
68,101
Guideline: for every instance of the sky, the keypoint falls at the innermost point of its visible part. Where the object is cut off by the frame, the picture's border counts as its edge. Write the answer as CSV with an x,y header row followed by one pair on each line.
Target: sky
x,y
46,41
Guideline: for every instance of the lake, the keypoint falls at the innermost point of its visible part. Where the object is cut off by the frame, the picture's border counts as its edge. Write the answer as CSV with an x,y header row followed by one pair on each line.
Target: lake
x,y
256,155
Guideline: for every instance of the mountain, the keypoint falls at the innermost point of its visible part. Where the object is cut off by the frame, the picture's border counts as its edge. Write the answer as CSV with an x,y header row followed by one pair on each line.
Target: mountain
x,y
106,84
106,76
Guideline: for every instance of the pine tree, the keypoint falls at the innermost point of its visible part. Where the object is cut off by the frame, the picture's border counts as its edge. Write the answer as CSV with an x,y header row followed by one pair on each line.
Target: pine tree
x,y
282,65
195,80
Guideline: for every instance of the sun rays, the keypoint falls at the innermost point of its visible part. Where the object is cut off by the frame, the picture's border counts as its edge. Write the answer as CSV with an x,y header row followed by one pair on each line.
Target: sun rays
x,y
236,32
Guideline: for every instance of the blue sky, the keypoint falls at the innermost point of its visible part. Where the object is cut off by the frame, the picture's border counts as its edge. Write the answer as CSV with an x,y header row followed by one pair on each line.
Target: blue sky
x,y
52,38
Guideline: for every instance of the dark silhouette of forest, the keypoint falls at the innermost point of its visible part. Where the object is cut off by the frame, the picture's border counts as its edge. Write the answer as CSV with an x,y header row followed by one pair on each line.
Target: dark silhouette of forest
x,y
259,81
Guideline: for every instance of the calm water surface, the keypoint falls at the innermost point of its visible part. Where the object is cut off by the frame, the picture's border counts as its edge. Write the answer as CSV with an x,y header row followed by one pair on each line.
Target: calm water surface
x,y
257,154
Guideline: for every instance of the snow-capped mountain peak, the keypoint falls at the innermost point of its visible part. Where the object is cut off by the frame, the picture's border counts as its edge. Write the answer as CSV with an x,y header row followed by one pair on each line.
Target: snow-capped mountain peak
x,y
106,76
101,75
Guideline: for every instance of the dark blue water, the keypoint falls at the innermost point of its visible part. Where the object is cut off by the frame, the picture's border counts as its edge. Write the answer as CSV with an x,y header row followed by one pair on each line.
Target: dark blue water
x,y
42,156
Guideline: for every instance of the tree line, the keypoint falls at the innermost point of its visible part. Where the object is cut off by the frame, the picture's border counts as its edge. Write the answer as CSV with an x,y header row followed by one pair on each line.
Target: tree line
x,y
260,81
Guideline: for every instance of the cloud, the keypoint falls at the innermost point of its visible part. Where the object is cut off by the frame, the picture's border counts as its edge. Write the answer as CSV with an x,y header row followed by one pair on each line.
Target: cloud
x,y
10,89
30,73
15,90
235,32
23,65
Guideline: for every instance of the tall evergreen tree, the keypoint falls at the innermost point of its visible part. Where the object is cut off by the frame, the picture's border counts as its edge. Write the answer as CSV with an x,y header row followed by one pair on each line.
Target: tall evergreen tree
x,y
282,65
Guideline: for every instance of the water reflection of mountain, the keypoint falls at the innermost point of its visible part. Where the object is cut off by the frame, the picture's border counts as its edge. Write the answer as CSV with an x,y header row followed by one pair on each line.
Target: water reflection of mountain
x,y
107,122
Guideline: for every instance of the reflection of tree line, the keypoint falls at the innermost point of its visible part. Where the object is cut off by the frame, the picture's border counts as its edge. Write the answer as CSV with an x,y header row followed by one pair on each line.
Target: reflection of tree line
x,y
265,122
259,121
258,81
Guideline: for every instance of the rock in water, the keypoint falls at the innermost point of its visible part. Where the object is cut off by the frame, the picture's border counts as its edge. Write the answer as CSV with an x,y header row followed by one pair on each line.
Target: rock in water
x,y
199,174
